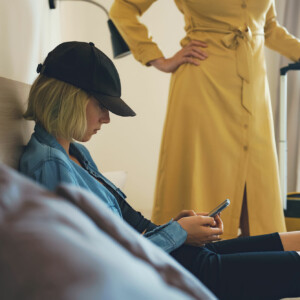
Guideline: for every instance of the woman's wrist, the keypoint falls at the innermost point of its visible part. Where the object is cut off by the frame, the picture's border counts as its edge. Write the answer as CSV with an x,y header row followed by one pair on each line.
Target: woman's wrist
x,y
156,62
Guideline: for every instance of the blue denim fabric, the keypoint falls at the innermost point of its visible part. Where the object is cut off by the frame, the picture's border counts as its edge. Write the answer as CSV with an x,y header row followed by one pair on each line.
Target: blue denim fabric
x,y
169,236
45,161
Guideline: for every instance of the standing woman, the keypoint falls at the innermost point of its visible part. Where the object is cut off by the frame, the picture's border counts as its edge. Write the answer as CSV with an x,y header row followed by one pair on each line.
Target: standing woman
x,y
225,147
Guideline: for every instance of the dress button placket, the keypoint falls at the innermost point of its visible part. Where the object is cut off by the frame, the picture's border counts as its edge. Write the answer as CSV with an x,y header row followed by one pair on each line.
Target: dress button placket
x,y
245,147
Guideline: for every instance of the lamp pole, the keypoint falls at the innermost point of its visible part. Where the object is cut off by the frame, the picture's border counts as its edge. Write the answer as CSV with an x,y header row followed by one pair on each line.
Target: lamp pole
x,y
52,4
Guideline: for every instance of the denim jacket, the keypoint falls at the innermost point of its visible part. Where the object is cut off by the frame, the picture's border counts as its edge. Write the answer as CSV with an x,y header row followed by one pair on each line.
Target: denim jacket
x,y
45,161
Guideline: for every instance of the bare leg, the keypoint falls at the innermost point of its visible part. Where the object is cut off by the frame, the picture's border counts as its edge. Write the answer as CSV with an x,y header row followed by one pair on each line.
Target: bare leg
x,y
290,241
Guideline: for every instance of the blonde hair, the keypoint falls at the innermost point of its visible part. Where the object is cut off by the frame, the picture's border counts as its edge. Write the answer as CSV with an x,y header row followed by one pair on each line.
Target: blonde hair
x,y
59,107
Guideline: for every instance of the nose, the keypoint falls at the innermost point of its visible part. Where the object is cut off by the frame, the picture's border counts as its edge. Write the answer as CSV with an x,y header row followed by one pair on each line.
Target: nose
x,y
105,117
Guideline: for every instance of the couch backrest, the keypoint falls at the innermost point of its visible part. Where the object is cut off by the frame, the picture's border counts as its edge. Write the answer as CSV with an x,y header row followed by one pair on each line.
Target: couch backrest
x,y
14,130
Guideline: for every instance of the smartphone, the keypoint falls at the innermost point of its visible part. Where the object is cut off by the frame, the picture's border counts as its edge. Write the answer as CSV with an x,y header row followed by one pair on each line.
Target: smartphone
x,y
219,208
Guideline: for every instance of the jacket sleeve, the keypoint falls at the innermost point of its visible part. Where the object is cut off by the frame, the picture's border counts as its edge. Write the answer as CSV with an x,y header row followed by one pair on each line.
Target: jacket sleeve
x,y
52,173
125,15
169,236
277,37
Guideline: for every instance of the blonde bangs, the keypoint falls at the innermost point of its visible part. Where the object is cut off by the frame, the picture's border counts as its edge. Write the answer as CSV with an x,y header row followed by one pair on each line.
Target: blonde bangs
x,y
59,107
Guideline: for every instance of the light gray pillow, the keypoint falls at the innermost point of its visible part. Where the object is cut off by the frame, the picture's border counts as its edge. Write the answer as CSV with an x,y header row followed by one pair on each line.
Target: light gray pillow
x,y
69,245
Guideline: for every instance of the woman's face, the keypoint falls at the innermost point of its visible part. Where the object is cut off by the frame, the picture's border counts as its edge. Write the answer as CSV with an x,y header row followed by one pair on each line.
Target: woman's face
x,y
96,115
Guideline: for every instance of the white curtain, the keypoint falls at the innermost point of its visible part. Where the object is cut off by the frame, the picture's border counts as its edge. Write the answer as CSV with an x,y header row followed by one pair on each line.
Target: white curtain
x,y
289,17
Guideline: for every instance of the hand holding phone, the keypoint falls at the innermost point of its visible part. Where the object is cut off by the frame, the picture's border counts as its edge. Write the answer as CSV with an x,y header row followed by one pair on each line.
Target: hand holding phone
x,y
219,208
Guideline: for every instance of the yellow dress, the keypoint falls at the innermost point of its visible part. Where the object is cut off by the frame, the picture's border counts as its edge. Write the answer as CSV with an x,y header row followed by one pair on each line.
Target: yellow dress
x,y
218,133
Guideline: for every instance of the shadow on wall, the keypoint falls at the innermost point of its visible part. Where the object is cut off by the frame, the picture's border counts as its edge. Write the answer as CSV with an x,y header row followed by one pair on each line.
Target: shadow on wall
x,y
14,130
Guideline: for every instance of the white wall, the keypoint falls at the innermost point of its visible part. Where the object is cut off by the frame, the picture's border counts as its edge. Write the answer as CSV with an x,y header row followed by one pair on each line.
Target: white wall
x,y
28,31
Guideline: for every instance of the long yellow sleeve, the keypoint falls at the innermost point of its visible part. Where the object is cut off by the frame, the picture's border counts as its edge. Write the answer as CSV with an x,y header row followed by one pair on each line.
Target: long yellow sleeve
x,y
277,37
125,15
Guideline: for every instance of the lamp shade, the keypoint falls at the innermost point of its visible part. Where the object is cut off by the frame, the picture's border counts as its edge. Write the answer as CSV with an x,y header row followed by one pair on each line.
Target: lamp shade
x,y
119,46
52,4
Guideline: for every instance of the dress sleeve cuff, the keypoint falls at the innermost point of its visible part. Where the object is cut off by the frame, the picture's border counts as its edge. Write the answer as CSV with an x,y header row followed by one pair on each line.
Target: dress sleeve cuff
x,y
146,54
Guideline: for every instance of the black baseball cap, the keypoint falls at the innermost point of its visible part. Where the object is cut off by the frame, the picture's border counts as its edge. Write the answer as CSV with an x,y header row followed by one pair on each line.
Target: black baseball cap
x,y
85,66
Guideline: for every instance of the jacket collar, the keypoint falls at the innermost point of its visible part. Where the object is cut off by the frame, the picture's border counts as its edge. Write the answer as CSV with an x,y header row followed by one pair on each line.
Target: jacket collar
x,y
48,139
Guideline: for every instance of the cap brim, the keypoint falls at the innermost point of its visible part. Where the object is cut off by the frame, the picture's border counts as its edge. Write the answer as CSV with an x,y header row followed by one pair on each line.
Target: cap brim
x,y
115,105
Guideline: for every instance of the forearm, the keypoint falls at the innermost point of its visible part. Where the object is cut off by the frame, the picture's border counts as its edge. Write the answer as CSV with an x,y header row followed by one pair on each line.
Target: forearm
x,y
131,216
125,15
169,236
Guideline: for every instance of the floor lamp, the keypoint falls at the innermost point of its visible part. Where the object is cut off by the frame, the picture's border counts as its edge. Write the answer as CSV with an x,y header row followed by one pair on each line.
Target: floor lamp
x,y
119,46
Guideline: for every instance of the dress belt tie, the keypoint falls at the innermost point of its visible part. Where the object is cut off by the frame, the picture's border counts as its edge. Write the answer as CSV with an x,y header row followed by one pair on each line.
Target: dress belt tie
x,y
240,40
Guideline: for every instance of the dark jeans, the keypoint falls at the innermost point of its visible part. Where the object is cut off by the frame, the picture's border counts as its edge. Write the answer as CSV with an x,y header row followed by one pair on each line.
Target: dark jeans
x,y
244,268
